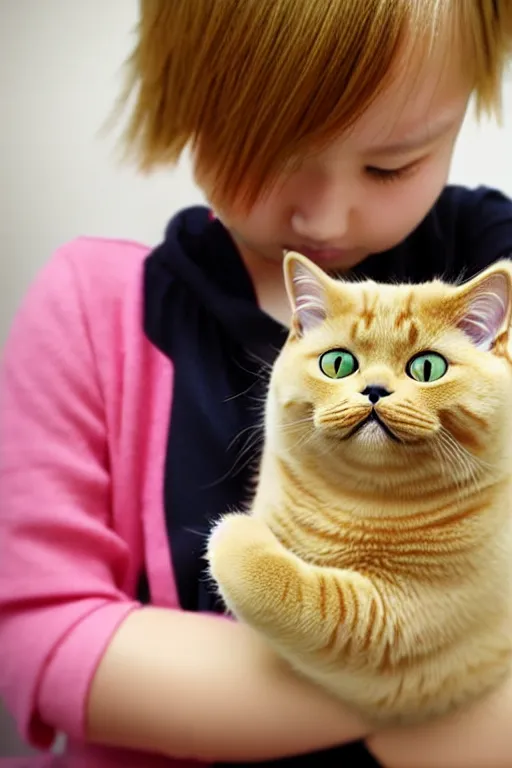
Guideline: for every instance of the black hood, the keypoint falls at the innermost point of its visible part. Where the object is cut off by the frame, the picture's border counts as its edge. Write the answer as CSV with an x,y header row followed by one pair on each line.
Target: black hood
x,y
199,258
201,312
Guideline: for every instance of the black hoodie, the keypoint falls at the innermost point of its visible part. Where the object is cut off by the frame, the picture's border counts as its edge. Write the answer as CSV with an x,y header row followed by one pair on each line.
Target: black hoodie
x,y
200,310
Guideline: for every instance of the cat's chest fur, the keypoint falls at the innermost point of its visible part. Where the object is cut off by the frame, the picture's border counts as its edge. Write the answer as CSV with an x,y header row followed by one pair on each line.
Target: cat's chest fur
x,y
435,535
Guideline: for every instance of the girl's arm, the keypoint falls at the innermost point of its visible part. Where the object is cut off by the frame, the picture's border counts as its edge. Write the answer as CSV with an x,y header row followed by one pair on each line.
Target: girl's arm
x,y
481,737
78,654
196,686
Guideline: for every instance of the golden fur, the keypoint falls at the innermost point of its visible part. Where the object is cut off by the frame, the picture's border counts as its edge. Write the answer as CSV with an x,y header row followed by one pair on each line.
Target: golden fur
x,y
377,555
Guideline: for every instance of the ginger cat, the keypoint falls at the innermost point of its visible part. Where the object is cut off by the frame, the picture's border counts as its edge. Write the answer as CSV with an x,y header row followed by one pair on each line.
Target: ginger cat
x,y
377,555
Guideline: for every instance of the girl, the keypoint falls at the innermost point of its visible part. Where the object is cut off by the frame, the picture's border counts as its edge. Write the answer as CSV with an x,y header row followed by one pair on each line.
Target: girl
x,y
132,379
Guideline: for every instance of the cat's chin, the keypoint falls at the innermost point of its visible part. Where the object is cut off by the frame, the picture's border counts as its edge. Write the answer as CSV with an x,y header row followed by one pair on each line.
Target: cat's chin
x,y
373,425
372,435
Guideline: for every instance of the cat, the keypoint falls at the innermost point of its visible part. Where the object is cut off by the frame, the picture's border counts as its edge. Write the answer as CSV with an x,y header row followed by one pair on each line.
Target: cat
x,y
376,558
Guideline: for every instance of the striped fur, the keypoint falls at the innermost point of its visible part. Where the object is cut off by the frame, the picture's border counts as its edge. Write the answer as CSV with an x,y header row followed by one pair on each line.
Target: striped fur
x,y
379,568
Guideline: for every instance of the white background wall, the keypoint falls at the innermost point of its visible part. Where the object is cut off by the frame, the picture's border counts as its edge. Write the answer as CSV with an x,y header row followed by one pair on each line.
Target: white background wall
x,y
60,72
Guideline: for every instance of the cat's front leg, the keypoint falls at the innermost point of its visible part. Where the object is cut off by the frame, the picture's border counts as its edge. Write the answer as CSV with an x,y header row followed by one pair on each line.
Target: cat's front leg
x,y
303,609
254,574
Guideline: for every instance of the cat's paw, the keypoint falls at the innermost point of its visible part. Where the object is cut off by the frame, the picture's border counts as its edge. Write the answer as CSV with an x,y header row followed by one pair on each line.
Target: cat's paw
x,y
252,570
237,530
233,541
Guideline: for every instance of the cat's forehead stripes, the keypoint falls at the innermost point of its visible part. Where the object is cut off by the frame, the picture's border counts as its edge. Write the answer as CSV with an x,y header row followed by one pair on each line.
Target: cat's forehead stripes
x,y
405,313
369,310
406,322
391,316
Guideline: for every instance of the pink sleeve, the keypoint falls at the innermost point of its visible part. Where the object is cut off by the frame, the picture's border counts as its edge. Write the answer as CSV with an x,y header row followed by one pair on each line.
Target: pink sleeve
x,y
61,565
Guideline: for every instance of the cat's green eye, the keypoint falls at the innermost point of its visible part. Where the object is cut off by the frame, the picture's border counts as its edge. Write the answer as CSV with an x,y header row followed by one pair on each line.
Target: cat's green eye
x,y
338,363
427,367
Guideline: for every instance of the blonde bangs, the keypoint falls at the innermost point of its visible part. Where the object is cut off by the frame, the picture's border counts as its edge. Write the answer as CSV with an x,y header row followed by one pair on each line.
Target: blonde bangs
x,y
250,85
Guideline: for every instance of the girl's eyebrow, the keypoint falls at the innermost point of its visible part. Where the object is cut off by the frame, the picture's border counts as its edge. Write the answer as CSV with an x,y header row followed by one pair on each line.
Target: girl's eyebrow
x,y
416,140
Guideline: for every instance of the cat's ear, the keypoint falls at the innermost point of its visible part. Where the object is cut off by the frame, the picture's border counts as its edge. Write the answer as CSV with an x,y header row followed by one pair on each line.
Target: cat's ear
x,y
487,305
306,287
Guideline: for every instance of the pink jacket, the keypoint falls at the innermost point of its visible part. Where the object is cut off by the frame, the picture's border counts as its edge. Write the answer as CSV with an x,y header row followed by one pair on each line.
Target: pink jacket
x,y
81,472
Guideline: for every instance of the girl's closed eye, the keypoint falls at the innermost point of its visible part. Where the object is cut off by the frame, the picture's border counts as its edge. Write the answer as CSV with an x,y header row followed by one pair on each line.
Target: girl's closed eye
x,y
391,174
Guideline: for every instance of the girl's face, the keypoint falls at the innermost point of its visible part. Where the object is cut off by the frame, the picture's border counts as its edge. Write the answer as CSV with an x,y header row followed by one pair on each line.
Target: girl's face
x,y
370,188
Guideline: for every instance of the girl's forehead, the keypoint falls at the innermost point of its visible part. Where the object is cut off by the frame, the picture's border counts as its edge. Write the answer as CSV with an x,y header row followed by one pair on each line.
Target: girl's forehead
x,y
421,102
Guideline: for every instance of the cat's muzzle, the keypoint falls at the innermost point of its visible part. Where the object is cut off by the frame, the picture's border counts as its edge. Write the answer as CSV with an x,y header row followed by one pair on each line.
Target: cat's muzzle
x,y
374,417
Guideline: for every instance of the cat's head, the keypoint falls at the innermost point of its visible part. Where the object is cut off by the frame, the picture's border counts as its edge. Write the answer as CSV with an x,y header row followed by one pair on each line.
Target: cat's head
x,y
376,369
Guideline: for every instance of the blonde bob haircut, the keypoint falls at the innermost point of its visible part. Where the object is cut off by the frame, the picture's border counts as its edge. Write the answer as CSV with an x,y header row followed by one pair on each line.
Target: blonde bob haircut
x,y
248,85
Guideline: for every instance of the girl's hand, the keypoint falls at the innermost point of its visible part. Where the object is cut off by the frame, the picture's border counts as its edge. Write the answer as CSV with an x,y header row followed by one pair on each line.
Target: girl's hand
x,y
480,737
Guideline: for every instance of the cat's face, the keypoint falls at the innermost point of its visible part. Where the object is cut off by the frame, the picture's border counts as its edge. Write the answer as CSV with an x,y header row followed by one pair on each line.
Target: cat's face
x,y
376,370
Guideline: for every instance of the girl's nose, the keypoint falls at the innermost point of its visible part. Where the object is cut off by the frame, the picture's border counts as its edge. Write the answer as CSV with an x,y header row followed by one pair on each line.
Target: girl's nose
x,y
323,219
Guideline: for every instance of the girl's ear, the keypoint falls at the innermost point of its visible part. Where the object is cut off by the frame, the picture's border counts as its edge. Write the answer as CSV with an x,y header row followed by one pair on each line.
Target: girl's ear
x,y
306,285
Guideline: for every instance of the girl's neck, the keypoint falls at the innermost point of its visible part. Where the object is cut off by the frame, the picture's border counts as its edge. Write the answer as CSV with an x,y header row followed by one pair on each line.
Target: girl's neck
x,y
268,282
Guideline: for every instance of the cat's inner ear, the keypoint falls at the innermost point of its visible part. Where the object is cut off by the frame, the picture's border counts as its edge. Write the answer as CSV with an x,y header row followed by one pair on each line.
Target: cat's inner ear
x,y
305,284
487,308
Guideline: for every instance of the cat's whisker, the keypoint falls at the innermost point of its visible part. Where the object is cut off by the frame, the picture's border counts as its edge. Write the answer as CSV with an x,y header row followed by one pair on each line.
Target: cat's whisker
x,y
304,439
236,468
246,392
448,462
265,365
252,442
261,377
250,452
453,459
204,534
341,407
290,425
475,461
301,443
251,430
260,399
321,447
262,360
465,467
